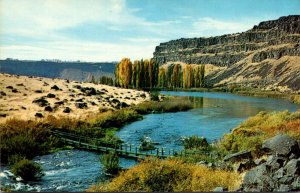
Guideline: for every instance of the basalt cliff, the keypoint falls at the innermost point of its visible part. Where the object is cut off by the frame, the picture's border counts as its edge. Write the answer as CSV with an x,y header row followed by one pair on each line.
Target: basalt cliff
x,y
266,56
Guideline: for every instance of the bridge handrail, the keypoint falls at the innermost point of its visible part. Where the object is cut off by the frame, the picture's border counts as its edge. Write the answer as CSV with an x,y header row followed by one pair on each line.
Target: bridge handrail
x,y
133,150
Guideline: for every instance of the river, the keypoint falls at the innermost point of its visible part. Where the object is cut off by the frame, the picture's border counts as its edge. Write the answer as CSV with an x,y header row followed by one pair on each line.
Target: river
x,y
213,115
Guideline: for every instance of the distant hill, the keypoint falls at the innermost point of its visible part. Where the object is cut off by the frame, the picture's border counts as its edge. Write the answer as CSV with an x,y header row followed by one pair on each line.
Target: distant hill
x,y
266,56
79,71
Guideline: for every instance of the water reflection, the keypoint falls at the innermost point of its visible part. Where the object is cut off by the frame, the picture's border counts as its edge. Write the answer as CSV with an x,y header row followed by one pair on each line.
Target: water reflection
x,y
213,115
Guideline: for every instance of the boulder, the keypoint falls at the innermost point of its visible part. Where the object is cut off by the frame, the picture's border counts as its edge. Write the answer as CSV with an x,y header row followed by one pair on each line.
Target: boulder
x,y
274,163
3,114
89,91
259,161
38,91
238,156
50,95
58,103
245,165
123,105
39,115
2,93
67,110
41,102
79,100
282,145
296,183
48,108
284,188
81,105
55,87
115,100
77,86
292,168
252,176
278,174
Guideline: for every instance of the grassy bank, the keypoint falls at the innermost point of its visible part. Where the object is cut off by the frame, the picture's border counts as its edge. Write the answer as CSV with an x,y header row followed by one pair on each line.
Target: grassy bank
x,y
183,174
29,138
245,91
251,133
169,175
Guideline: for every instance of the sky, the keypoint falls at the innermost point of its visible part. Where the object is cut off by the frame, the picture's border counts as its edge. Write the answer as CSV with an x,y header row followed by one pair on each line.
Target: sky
x,y
109,30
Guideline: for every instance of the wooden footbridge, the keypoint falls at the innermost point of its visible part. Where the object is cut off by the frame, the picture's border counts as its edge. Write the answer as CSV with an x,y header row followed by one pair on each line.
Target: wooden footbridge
x,y
123,150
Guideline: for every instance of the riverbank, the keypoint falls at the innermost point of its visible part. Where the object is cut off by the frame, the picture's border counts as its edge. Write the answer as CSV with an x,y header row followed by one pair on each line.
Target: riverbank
x,y
247,91
197,173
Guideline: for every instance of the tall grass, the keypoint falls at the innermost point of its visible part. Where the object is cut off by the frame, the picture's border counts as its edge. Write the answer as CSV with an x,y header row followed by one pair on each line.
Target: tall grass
x,y
110,162
174,104
251,133
195,142
295,99
169,176
28,138
27,170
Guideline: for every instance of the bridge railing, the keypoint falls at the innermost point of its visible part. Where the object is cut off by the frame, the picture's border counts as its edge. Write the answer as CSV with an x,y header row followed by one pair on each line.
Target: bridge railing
x,y
127,150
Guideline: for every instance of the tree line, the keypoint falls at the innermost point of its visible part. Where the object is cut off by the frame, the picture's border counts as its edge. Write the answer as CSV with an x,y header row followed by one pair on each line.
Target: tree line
x,y
147,74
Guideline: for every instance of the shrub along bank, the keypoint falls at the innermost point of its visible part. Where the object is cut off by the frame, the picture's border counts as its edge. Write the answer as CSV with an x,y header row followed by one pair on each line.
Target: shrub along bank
x,y
251,133
29,138
169,176
192,173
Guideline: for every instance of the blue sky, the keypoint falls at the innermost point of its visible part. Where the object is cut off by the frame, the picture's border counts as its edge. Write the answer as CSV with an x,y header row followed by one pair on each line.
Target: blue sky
x,y
108,30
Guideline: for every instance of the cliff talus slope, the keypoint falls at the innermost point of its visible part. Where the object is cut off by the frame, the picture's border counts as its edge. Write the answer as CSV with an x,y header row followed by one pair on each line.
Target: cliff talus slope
x,y
266,56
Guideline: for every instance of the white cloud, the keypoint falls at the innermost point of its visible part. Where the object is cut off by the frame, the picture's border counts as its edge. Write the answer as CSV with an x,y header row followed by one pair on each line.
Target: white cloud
x,y
56,14
144,40
78,50
211,27
42,20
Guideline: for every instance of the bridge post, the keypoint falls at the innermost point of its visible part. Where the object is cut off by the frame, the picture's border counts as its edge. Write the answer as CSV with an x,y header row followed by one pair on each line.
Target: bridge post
x,y
136,151
157,151
130,147
162,151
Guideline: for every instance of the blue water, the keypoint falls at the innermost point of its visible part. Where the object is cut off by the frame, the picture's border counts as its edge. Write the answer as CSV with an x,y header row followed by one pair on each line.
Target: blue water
x,y
214,114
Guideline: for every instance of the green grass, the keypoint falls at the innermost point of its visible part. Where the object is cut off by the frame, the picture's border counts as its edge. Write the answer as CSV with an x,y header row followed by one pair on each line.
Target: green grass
x,y
27,170
29,138
171,104
251,133
110,162
195,142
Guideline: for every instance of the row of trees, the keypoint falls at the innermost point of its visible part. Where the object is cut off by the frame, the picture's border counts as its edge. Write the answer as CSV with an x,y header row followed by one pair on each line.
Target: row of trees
x,y
148,74
140,74
102,80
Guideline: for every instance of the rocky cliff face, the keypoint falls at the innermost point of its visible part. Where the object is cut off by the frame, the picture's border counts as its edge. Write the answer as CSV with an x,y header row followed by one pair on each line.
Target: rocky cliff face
x,y
266,55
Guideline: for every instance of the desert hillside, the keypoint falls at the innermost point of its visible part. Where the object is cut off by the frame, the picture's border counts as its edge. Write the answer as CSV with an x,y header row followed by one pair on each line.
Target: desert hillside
x,y
266,56
34,97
